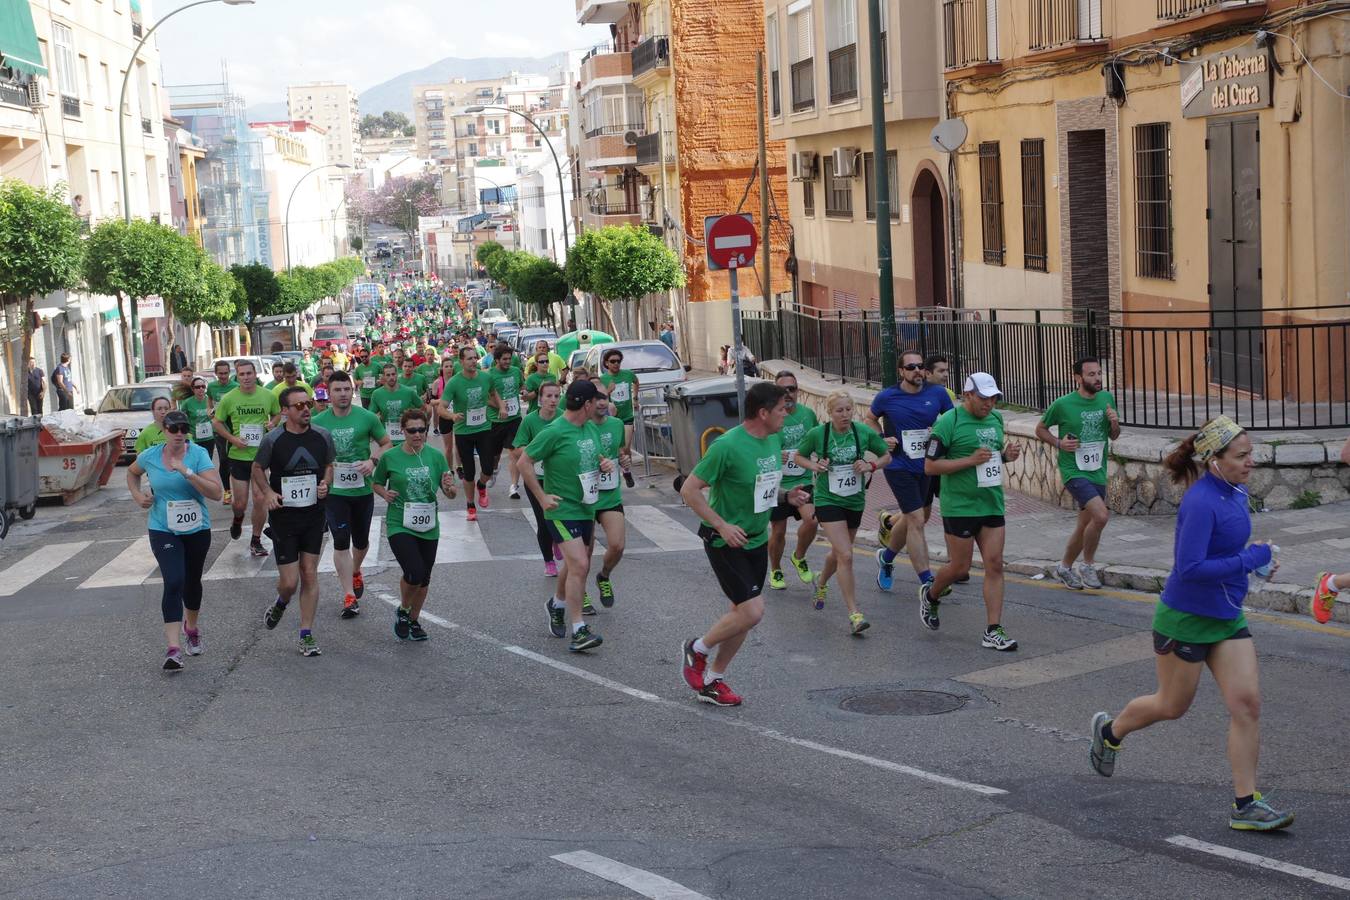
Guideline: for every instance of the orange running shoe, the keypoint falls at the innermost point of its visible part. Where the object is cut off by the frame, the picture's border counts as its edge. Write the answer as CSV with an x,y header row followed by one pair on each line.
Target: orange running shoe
x,y
350,608
473,514
358,585
1324,598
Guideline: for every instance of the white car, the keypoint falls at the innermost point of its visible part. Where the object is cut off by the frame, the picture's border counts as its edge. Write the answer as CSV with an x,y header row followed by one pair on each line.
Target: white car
x,y
127,406
491,316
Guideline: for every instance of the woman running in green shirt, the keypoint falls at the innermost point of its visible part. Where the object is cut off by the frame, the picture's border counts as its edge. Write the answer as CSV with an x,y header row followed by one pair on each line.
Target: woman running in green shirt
x,y
153,433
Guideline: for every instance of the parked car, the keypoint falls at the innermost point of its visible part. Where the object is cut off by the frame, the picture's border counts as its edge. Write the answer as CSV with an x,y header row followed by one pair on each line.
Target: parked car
x,y
491,316
261,364
654,364
526,338
127,406
355,320
327,335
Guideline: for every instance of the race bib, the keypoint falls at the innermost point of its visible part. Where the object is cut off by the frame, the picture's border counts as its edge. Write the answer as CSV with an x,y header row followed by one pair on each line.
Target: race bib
x,y
989,474
620,392
368,383
1089,457
184,516
790,467
251,435
419,516
766,490
609,480
476,416
844,482
299,490
203,430
590,486
347,476
914,443
395,430
512,406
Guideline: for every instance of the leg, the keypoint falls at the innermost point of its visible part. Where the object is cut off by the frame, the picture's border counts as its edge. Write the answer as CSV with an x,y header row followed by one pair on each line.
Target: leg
x,y
576,567
338,511
259,512
916,542
1177,681
991,551
169,553
1075,543
309,588
239,491
728,633
196,547
1098,516
417,597
806,530
541,532
464,445
1233,664
614,524
777,543
960,550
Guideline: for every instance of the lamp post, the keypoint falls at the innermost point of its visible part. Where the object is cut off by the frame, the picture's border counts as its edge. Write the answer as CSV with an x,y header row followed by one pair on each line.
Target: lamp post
x,y
286,219
562,191
122,144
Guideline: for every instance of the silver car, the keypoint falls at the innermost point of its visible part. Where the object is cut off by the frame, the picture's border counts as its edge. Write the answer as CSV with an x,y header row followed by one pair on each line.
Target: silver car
x,y
654,364
127,406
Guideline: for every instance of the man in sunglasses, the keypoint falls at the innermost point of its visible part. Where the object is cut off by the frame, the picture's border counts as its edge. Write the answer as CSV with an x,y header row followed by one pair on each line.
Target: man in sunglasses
x,y
622,386
293,471
799,420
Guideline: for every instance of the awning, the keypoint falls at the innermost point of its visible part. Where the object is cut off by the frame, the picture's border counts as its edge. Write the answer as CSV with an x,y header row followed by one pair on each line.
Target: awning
x,y
18,39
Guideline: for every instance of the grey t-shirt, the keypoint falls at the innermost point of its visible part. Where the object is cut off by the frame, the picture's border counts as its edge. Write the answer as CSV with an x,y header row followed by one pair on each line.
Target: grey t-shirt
x,y
285,454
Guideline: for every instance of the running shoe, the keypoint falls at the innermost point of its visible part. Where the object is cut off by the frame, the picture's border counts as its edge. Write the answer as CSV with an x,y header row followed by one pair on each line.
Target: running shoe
x,y
515,492
885,522
473,514
350,608
606,591
964,579
803,570
557,619
256,549
776,580
997,639
694,664
1324,598
459,473
492,480
1067,576
416,632
885,571
928,609
857,624
358,585
193,640
1102,755
584,639
818,601
226,498
1258,816
628,478
272,617
483,498
718,693
309,647
402,624
1091,578
551,569
173,660
236,528
586,608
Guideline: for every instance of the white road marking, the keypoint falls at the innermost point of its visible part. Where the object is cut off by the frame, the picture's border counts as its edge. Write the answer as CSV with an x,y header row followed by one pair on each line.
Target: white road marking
x,y
234,562
661,529
1339,543
372,554
36,564
1264,862
639,881
129,568
461,540
586,676
1065,664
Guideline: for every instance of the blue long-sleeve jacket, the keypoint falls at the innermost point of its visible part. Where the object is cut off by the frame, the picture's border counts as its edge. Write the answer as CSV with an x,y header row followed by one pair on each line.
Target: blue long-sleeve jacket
x,y
1211,558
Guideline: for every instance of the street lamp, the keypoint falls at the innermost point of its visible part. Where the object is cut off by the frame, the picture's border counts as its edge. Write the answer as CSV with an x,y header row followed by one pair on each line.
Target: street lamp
x,y
286,219
122,143
562,191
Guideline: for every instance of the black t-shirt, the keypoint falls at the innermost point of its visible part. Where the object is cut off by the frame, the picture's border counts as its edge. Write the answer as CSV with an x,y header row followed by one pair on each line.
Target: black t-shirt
x,y
295,465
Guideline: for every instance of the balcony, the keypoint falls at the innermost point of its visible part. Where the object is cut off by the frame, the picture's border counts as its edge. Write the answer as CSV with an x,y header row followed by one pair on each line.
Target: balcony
x,y
598,212
970,34
651,59
15,91
843,65
147,127
1056,24
1184,9
803,77
657,148
605,147
606,65
600,12
136,29
70,106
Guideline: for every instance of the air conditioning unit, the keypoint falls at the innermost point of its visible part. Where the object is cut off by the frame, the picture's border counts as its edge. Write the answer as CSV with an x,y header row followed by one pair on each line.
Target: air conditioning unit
x,y
805,165
630,138
845,161
37,97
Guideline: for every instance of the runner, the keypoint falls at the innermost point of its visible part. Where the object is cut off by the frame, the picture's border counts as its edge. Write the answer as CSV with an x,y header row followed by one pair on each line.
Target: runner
x,y
440,408
623,389
799,420
241,418
835,452
609,508
198,412
1086,421
216,390
938,368
506,382
1199,618
368,371
389,401
294,472
743,470
569,449
905,413
350,504
549,395
153,433
278,374
967,449
409,378
181,481
407,478
470,395
540,375
290,378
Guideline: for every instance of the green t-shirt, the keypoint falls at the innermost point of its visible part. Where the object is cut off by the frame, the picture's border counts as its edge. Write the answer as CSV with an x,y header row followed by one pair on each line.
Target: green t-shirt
x,y
795,426
215,390
417,384
352,435
1192,629
611,442
364,371
150,435
197,416
622,390
744,473
309,368
469,398
961,435
389,405
417,479
842,451
1086,420
280,386
532,383
569,454
428,371
530,426
507,386
246,417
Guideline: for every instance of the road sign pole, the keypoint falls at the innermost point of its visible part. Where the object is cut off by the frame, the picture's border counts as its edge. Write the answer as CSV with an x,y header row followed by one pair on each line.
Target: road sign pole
x,y
736,344
881,178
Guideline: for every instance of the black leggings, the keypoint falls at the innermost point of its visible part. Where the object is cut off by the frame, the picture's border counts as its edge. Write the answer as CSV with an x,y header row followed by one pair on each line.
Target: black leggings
x,y
466,444
541,528
181,558
415,556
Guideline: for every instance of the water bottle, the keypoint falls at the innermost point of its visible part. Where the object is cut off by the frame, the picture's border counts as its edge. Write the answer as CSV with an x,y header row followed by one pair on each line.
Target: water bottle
x,y
1268,569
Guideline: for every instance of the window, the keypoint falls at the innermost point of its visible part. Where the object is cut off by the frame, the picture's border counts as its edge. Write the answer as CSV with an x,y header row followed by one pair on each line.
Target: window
x,y
809,197
107,84
870,187
1033,205
67,73
473,149
991,203
802,71
771,55
1153,200
841,42
838,192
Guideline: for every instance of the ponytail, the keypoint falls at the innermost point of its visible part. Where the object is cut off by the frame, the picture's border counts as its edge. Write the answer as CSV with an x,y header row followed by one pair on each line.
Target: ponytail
x,y
1180,463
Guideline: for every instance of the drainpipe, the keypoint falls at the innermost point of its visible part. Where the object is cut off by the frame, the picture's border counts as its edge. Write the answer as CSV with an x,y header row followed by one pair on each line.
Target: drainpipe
x,y
955,251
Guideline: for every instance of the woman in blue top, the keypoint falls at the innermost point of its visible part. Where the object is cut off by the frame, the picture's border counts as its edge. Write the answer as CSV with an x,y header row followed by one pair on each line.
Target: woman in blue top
x,y
182,478
1199,617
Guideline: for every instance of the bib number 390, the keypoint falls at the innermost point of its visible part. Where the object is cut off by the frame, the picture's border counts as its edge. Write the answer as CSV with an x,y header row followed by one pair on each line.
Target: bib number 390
x,y
419,516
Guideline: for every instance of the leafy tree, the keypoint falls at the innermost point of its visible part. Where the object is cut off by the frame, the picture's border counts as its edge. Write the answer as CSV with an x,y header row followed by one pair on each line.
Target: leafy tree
x,y
213,302
487,251
581,261
356,242
40,252
398,203
386,124
258,291
538,282
631,263
299,289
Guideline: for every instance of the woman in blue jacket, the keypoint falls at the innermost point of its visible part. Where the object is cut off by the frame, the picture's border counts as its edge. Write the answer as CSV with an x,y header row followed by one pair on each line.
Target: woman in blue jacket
x,y
1199,619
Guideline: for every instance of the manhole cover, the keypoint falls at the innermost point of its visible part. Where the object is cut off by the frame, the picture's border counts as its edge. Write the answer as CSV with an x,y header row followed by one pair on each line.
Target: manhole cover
x,y
903,703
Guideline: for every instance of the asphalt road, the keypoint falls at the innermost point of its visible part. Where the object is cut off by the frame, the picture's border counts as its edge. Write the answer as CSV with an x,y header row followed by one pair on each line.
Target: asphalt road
x,y
463,766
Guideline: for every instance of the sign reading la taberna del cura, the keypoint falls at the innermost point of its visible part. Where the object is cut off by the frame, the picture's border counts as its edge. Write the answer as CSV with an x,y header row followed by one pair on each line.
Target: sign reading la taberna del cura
x,y
1229,82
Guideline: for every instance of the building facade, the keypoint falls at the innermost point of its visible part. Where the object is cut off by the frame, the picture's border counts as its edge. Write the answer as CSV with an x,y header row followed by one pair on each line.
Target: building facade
x,y
306,220
335,108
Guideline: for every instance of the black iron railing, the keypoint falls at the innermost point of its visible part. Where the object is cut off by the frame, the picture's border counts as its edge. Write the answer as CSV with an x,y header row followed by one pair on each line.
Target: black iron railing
x,y
70,106
1166,369
653,53
803,77
843,73
15,91
1180,9
147,127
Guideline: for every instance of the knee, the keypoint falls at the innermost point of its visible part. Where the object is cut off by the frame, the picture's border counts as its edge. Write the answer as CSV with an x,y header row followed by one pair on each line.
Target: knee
x,y
342,540
751,612
916,519
1172,708
1100,517
993,563
1246,705
616,546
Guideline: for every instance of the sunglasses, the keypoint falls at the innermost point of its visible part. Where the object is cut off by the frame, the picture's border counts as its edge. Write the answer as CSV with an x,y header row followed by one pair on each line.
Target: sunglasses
x,y
199,387
791,390
308,404
422,430
177,429
911,367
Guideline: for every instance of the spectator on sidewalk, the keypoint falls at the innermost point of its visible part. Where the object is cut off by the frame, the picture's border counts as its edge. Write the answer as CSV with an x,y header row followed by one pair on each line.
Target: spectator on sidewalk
x,y
64,382
178,360
667,336
36,384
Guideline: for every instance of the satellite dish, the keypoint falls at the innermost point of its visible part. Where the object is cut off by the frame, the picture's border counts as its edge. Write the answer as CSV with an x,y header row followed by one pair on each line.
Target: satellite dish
x,y
948,135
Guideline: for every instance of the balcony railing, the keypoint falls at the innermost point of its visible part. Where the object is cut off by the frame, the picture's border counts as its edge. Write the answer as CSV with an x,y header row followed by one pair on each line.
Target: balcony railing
x,y
966,33
653,53
70,106
775,94
844,73
603,206
655,148
803,75
1181,9
147,127
600,130
136,29
1058,23
15,92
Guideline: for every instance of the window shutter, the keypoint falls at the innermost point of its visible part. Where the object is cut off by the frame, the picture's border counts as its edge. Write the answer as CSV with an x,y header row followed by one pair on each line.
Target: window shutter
x,y
991,28
1089,19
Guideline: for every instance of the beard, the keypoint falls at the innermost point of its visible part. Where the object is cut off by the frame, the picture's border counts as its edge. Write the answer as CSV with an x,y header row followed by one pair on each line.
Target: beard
x,y
1091,388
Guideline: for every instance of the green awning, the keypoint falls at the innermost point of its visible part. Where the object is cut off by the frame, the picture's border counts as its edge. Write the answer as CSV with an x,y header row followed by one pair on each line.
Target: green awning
x,y
18,39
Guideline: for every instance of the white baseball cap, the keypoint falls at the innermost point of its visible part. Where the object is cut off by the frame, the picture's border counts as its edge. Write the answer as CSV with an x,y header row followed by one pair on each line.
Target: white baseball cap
x,y
983,384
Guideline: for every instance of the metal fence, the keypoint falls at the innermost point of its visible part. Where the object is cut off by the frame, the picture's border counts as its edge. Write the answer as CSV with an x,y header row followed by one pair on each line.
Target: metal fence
x,y
652,436
1292,374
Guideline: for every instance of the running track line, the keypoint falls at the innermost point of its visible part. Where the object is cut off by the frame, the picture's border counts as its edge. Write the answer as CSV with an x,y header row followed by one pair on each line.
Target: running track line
x,y
1264,862
639,881
762,731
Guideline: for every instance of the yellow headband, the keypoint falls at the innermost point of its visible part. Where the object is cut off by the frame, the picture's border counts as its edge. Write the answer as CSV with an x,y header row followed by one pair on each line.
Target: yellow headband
x,y
1216,434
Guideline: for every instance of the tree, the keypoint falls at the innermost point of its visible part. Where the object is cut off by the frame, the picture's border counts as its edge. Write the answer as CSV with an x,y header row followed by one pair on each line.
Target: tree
x,y
40,253
258,291
398,203
387,124
621,263
356,242
487,251
214,303
537,282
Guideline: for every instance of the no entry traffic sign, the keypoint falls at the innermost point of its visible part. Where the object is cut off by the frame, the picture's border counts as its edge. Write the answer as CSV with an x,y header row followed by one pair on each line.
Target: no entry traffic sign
x,y
731,241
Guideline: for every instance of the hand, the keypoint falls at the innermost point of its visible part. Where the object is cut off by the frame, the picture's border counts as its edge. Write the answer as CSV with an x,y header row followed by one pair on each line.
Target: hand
x,y
982,455
273,500
1111,416
734,535
323,490
862,466
798,497
1012,452
822,465
456,417
625,459
366,467
1068,444
892,443
448,484
606,465
550,502
389,495
237,442
145,501
180,466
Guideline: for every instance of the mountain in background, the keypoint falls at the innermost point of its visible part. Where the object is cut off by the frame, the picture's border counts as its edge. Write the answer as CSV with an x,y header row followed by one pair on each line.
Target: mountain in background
x,y
396,93
266,112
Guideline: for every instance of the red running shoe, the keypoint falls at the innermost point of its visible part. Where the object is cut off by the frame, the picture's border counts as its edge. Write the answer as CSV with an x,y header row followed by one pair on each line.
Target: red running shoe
x,y
473,514
717,693
694,664
1324,598
358,585
483,498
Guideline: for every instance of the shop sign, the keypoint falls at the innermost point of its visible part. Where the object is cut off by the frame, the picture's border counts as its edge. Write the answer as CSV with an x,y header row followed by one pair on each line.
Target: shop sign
x,y
1229,82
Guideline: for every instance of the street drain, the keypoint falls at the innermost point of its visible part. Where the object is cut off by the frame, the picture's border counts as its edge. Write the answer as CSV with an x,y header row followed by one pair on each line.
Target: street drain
x,y
903,703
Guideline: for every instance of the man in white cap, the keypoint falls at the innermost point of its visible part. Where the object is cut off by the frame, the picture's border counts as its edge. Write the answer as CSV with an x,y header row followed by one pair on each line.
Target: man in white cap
x,y
966,449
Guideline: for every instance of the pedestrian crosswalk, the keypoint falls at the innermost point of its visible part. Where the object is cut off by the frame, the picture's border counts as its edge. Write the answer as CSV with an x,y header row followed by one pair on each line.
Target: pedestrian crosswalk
x,y
506,534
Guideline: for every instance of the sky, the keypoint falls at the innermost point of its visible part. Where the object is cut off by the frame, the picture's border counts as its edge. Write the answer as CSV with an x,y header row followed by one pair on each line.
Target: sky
x,y
360,42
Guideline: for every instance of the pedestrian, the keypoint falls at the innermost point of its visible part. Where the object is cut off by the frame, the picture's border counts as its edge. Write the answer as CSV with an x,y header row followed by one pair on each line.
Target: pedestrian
x,y
181,481
1086,423
64,382
967,450
35,382
153,433
609,513
216,390
177,359
293,472
799,419
1198,620
836,452
241,418
407,478
667,336
743,471
550,393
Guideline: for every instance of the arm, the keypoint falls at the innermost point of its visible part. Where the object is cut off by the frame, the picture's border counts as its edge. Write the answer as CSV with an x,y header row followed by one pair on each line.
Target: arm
x,y
495,399
224,432
692,495
525,466
1195,527
262,489
134,473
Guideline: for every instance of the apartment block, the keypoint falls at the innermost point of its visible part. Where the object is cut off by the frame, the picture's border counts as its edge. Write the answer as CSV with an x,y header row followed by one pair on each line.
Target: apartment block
x,y
306,224
337,109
